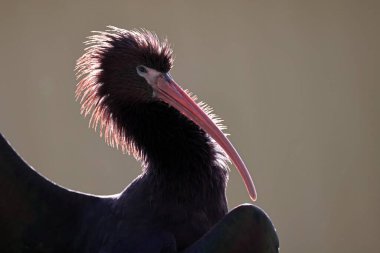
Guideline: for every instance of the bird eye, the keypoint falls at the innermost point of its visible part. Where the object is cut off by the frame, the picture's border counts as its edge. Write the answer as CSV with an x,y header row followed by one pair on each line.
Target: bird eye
x,y
141,70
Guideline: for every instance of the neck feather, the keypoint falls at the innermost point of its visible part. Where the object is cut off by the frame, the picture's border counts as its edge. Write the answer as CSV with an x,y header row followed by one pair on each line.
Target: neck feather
x,y
179,154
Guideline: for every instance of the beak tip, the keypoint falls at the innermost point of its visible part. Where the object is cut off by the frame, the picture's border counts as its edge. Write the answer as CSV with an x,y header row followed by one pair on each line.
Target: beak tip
x,y
253,196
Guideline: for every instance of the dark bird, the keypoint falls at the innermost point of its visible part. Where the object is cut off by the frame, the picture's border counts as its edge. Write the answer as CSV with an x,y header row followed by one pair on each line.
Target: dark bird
x,y
177,204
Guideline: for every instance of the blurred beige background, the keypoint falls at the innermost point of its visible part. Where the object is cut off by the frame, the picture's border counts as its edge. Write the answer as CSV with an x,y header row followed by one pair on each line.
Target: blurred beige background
x,y
297,82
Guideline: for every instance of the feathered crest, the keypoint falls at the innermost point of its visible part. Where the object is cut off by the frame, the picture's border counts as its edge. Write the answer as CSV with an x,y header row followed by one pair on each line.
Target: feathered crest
x,y
89,69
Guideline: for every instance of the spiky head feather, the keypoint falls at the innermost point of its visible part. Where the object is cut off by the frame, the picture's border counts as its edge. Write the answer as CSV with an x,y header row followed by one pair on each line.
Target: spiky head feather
x,y
108,80
109,62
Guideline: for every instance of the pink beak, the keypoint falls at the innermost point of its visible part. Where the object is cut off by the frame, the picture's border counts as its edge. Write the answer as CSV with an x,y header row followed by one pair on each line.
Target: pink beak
x,y
170,92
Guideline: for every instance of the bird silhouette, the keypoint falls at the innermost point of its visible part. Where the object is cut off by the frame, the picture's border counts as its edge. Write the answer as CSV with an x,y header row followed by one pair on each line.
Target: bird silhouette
x,y
177,203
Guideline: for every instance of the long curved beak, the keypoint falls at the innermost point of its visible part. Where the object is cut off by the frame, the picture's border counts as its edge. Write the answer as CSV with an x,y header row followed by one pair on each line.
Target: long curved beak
x,y
170,92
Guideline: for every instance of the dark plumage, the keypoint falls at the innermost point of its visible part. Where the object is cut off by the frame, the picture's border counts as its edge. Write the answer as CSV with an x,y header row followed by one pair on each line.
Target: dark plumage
x,y
180,194
188,190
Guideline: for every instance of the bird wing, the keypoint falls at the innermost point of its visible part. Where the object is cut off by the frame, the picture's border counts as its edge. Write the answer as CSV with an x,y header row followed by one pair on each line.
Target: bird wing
x,y
246,228
36,215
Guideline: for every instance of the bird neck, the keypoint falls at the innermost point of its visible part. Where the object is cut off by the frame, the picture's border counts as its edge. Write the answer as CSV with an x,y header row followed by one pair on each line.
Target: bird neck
x,y
174,150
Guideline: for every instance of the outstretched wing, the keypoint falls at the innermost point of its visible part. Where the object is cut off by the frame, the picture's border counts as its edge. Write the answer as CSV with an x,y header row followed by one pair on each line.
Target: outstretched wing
x,y
245,229
36,215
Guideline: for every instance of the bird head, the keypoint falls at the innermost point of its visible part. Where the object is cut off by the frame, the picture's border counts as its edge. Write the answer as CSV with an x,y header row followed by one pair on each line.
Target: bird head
x,y
119,64
125,68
